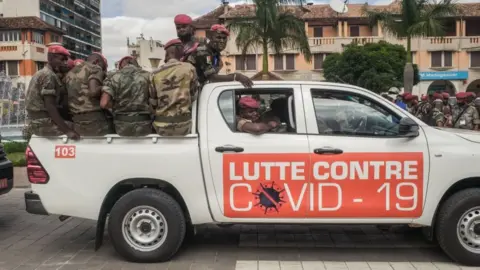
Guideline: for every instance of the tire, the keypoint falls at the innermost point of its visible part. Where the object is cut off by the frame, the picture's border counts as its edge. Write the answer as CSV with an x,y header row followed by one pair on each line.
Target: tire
x,y
147,208
462,206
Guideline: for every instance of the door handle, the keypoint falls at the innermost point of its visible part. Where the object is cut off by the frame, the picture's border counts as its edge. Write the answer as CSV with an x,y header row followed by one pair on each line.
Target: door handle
x,y
229,148
328,150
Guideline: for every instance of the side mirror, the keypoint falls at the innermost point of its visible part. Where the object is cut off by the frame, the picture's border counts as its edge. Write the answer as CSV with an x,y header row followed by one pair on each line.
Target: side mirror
x,y
408,128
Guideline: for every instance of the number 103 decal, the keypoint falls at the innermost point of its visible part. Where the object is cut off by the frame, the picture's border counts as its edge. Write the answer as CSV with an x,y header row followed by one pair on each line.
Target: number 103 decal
x,y
65,151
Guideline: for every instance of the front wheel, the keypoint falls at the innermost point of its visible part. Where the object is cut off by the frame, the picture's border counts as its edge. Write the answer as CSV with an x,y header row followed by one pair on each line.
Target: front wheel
x,y
458,227
146,225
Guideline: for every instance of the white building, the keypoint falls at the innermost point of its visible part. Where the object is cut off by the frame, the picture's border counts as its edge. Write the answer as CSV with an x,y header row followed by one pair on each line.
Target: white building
x,y
149,53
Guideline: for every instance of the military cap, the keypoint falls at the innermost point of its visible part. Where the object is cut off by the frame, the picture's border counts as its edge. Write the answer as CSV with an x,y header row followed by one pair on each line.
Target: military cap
x,y
445,95
172,42
220,29
103,57
461,95
407,96
57,49
437,95
248,102
123,59
477,101
182,19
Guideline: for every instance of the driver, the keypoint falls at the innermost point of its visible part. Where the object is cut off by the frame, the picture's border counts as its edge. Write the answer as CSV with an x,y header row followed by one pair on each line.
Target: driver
x,y
248,119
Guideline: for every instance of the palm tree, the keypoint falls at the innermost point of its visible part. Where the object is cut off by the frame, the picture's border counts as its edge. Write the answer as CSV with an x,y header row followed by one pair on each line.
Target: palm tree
x,y
416,18
273,26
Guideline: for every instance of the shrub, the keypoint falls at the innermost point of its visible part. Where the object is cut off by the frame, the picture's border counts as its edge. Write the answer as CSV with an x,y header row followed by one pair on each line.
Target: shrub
x,y
15,147
18,159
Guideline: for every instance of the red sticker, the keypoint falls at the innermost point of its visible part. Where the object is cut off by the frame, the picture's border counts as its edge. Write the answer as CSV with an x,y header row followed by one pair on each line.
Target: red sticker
x,y
65,151
351,185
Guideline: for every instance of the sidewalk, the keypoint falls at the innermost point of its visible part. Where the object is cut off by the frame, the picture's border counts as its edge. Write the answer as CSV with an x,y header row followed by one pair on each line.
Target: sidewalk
x,y
20,177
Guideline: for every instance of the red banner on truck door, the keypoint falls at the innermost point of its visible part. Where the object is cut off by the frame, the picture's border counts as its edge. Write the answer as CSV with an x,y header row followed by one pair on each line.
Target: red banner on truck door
x,y
353,185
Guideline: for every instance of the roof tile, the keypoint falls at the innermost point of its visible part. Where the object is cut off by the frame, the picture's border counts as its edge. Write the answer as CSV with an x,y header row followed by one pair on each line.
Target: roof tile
x,y
32,22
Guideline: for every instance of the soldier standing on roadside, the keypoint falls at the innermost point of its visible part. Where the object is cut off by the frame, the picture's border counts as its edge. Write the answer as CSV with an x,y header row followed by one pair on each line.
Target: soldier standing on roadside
x,y
465,116
437,118
84,85
128,90
174,88
207,61
42,97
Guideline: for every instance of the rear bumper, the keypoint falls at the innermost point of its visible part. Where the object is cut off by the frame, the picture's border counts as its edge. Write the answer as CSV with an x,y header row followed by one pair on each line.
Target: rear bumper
x,y
6,173
33,204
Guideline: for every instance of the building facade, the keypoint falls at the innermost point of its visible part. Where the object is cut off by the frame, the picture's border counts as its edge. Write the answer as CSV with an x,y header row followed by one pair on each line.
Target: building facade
x,y
79,19
23,49
451,62
149,53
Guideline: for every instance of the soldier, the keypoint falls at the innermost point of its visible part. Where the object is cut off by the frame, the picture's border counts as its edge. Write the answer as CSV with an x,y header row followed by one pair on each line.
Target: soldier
x,y
84,85
42,97
465,116
207,62
436,116
471,96
477,104
128,90
186,33
424,109
248,119
174,88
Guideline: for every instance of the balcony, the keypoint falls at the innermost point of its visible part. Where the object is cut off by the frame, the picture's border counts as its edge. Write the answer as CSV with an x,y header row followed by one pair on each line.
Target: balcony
x,y
335,44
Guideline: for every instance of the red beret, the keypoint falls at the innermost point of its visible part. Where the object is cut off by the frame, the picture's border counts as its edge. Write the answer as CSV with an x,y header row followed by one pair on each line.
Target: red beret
x,y
461,95
424,98
248,102
70,63
182,19
57,49
470,94
415,97
78,62
123,59
407,96
220,29
103,57
445,95
172,42
437,95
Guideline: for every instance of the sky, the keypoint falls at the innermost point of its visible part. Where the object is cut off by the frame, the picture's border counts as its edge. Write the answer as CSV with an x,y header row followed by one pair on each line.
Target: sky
x,y
154,18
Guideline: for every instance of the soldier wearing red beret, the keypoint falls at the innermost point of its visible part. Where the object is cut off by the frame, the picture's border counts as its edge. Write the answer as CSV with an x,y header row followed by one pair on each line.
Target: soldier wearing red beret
x,y
207,60
465,115
84,85
44,94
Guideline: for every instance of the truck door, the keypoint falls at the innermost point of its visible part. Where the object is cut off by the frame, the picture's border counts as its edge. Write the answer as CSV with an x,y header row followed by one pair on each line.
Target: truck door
x,y
256,177
363,165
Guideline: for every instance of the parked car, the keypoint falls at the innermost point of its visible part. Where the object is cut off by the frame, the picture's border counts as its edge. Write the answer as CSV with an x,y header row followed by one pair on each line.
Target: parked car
x,y
349,156
6,171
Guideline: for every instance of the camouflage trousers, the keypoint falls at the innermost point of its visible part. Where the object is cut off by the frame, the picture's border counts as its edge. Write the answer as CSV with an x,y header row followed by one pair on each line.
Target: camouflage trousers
x,y
91,124
45,127
142,128
173,129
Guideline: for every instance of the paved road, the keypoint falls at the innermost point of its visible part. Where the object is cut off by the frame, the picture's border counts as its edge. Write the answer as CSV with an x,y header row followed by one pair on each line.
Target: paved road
x,y
38,242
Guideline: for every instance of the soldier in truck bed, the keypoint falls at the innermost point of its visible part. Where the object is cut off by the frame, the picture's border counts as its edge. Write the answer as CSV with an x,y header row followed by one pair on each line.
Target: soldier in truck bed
x,y
43,96
207,61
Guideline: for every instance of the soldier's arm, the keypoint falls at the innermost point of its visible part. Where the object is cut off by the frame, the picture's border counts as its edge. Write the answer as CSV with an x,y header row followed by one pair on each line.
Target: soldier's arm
x,y
476,118
153,99
107,93
95,80
194,85
49,95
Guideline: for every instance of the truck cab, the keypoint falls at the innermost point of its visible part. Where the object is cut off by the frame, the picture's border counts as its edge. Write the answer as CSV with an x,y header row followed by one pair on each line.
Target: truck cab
x,y
343,155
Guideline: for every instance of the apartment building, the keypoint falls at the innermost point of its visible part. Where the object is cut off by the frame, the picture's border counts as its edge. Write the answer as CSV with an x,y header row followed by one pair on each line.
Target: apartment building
x,y
149,53
451,62
79,19
23,48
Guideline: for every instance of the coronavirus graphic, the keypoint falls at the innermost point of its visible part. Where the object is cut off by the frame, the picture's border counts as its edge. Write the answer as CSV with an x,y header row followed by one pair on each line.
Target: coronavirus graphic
x,y
269,197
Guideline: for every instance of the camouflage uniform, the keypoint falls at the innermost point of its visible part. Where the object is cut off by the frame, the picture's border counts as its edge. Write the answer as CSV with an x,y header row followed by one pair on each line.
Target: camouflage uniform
x,y
174,88
88,117
129,90
423,111
44,83
436,117
465,117
206,62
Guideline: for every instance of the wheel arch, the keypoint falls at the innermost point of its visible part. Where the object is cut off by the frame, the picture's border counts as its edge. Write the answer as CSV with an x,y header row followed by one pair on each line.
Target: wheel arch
x,y
127,185
471,182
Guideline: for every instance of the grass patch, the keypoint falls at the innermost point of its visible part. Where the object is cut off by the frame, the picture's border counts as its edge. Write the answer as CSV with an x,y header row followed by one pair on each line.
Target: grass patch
x,y
18,159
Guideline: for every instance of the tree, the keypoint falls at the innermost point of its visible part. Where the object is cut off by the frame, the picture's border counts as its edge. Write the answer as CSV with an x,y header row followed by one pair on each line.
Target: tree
x,y
374,66
416,18
273,26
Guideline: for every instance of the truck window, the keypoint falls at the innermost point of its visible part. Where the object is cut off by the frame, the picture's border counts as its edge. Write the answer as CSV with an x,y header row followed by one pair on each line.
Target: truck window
x,y
274,106
343,113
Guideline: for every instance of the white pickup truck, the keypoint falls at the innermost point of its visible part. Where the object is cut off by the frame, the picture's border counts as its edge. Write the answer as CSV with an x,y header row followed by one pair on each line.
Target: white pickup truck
x,y
345,156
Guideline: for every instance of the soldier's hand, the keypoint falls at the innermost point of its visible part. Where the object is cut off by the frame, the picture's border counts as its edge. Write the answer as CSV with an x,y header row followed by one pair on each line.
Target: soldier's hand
x,y
73,135
244,80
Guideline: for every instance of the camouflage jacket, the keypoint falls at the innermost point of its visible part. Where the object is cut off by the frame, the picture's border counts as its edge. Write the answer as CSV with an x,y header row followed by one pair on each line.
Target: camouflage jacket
x,y
423,111
174,88
465,117
44,83
436,117
80,98
129,89
205,61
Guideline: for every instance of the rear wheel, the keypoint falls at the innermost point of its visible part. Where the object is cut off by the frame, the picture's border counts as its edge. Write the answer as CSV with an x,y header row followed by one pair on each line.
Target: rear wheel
x,y
458,227
146,225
